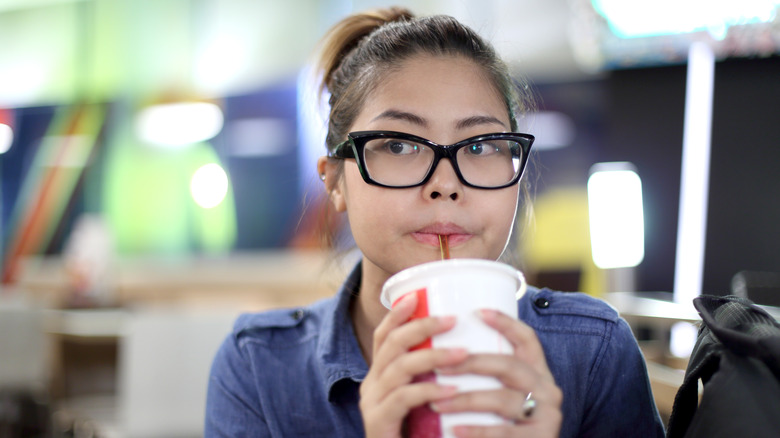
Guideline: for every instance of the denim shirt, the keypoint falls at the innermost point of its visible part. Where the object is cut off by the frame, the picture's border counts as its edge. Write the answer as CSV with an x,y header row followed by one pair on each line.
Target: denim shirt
x,y
297,372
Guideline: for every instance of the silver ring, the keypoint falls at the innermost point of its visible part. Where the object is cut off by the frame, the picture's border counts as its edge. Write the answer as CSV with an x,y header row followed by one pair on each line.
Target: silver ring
x,y
529,406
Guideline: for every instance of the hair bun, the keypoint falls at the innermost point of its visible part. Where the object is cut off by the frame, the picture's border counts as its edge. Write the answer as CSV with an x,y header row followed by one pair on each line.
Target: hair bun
x,y
345,36
396,13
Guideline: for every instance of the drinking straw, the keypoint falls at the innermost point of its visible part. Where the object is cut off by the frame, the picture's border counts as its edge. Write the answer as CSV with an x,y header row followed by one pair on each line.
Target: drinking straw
x,y
444,247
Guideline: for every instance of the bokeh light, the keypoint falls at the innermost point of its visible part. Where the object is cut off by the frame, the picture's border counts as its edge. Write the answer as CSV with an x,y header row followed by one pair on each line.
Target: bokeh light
x,y
6,138
616,215
179,124
209,185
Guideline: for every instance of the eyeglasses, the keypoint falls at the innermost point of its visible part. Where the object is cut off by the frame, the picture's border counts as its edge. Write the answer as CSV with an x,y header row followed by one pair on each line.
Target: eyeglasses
x,y
399,160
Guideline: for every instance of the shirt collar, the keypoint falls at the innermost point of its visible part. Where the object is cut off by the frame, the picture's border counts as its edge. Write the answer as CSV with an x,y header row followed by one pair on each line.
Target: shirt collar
x,y
338,348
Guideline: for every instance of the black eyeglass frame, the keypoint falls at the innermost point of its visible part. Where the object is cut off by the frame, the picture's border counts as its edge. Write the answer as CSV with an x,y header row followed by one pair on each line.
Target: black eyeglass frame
x,y
354,146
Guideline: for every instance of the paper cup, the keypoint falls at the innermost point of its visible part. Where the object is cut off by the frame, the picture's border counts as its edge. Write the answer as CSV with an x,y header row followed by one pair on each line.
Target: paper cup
x,y
458,287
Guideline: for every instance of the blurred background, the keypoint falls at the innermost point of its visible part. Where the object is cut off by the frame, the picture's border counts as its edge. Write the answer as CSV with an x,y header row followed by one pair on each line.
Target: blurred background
x,y
157,168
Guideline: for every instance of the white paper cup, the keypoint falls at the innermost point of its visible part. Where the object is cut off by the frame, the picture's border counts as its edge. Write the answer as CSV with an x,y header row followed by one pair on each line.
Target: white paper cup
x,y
458,287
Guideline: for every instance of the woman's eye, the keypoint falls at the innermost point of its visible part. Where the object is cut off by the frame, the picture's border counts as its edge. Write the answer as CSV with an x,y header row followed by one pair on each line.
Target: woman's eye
x,y
481,149
401,147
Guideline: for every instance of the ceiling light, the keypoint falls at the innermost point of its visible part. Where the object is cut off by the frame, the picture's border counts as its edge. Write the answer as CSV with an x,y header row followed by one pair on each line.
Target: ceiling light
x,y
616,215
179,124
643,18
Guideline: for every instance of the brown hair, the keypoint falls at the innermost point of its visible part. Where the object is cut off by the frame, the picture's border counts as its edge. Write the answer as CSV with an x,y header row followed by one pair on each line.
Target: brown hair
x,y
359,51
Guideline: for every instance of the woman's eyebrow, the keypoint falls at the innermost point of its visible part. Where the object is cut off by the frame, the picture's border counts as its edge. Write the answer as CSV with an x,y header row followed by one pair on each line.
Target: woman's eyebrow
x,y
468,122
479,120
394,114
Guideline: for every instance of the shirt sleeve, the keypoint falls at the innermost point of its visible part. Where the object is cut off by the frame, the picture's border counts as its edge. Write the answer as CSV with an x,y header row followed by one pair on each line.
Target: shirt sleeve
x,y
621,400
232,404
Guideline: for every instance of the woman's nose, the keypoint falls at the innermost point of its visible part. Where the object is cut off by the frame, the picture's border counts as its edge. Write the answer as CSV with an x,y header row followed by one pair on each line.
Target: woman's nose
x,y
444,183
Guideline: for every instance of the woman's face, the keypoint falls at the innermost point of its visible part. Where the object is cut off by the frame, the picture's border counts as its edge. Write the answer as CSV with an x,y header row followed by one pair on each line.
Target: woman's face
x,y
443,99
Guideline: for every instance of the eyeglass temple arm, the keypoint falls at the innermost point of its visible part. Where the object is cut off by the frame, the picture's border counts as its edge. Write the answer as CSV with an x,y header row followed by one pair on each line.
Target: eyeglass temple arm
x,y
343,150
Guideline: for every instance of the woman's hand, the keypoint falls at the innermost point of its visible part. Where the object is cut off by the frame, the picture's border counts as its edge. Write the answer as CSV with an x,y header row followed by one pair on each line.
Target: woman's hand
x,y
523,373
387,393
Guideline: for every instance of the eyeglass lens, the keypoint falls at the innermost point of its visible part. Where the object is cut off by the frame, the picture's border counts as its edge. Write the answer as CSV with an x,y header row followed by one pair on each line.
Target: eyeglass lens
x,y
401,162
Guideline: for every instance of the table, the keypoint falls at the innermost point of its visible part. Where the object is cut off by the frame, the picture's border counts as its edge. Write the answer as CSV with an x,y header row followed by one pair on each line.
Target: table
x,y
661,313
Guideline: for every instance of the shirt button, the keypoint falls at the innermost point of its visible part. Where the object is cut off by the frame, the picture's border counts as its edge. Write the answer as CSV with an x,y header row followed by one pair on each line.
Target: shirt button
x,y
297,314
542,303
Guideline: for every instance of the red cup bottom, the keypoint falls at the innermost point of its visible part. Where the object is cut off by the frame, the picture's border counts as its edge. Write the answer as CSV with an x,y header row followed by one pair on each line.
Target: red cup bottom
x,y
422,421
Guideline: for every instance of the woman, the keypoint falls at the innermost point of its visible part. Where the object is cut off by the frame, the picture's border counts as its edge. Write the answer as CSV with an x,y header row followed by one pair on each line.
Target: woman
x,y
400,86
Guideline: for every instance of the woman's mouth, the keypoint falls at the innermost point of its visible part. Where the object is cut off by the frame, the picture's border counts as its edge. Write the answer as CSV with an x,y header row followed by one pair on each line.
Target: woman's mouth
x,y
429,235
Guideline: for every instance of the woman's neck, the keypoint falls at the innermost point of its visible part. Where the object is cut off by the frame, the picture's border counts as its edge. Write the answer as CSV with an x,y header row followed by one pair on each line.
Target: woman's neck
x,y
367,311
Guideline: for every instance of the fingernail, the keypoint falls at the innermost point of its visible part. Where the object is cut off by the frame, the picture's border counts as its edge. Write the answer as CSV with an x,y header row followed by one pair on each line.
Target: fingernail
x,y
457,353
461,431
440,405
447,320
486,314
445,371
407,299
449,390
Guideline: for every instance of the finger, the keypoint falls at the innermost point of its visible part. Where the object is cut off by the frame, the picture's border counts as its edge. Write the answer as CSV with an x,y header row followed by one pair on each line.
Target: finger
x,y
397,404
399,314
403,370
512,405
521,336
509,370
543,424
402,338
389,399
500,431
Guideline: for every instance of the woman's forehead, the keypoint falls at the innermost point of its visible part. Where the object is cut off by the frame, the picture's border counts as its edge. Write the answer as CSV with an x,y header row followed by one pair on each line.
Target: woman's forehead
x,y
436,89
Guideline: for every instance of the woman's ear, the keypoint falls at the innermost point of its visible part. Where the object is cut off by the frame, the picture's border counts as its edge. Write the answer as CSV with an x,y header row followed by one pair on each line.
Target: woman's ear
x,y
327,169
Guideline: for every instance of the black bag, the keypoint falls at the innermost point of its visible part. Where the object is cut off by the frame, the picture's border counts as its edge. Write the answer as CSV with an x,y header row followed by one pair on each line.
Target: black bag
x,y
737,358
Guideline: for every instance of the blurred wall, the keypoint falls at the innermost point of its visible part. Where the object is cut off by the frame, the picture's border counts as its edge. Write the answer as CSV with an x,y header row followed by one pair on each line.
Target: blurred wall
x,y
247,56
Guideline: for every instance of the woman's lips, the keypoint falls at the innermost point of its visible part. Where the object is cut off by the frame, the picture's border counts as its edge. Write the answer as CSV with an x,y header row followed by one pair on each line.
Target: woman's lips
x,y
430,235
